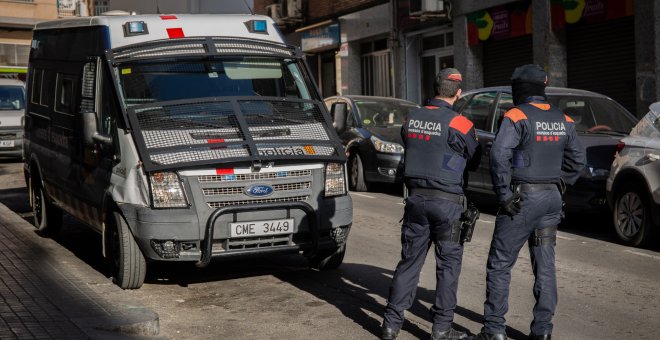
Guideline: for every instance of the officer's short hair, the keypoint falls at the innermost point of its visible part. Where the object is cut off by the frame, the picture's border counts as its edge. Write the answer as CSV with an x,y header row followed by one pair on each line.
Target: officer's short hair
x,y
447,82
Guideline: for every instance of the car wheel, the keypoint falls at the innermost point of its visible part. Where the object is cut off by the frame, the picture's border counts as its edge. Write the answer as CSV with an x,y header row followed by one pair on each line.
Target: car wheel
x,y
356,180
632,220
328,259
127,264
47,216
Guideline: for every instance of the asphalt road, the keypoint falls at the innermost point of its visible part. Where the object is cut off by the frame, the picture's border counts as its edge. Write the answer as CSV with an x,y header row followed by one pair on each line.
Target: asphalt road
x,y
606,290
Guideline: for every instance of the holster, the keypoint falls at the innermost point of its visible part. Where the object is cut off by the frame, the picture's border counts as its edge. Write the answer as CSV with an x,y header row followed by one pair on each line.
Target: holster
x,y
462,229
468,220
542,237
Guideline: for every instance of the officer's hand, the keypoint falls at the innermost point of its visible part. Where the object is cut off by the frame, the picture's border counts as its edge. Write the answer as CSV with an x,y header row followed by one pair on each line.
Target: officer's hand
x,y
512,205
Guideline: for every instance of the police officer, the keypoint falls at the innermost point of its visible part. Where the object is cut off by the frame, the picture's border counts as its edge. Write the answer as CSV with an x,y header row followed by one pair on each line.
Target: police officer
x,y
535,151
438,142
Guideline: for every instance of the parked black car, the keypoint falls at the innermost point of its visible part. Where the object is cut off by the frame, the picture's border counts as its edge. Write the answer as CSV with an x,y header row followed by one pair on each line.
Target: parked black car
x,y
600,122
370,129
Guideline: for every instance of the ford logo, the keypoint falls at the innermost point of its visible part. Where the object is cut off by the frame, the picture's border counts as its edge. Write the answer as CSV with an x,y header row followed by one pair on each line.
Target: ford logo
x,y
259,190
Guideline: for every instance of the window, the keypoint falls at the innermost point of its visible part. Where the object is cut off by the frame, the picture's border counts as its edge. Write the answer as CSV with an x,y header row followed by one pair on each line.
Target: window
x,y
478,109
503,105
593,114
37,79
64,97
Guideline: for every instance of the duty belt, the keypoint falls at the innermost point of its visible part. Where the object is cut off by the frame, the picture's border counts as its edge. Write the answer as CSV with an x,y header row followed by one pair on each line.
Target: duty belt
x,y
536,186
456,198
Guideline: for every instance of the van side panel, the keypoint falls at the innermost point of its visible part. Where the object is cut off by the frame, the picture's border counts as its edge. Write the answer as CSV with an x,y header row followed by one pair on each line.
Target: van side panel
x,y
53,121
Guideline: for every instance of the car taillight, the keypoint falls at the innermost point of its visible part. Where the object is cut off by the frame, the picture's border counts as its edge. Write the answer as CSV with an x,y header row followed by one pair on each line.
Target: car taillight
x,y
620,146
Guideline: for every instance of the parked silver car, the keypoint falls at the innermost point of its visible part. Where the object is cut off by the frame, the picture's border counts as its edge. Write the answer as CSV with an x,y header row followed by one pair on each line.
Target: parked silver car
x,y
12,111
633,187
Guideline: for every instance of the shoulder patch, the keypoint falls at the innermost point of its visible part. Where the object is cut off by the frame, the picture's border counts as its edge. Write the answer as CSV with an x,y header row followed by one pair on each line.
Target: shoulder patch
x,y
431,107
542,106
462,124
569,119
515,115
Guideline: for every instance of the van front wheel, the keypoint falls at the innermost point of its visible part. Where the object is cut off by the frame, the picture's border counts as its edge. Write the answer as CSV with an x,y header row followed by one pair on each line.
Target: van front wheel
x,y
127,263
328,259
47,216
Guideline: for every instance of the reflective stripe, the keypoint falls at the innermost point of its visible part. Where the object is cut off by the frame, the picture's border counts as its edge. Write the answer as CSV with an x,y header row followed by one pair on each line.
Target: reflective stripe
x,y
168,17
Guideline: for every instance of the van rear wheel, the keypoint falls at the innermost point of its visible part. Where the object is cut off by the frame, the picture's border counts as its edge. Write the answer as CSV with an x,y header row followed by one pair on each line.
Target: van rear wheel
x,y
47,216
127,262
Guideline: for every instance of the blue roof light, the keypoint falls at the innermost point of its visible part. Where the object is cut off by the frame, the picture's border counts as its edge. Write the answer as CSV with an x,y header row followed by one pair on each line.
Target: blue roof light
x,y
257,26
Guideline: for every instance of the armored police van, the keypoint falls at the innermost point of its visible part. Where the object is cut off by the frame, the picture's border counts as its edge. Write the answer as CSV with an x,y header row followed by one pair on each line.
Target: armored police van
x,y
182,138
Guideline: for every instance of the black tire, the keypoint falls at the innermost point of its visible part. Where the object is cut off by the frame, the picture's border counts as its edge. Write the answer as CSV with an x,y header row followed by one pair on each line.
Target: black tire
x,y
356,179
127,263
47,216
632,216
328,259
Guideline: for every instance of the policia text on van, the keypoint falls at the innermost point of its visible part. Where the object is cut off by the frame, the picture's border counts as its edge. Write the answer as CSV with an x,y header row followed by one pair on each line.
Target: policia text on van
x,y
180,145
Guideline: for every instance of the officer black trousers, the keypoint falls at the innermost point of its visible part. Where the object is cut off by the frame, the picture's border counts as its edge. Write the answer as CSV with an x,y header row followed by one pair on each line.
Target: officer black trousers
x,y
425,217
540,209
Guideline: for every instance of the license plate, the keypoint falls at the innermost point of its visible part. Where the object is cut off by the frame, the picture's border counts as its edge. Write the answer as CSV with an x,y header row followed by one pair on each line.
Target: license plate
x,y
6,143
261,228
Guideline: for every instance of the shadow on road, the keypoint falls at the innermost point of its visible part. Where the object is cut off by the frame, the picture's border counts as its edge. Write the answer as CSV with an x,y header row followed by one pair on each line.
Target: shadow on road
x,y
364,283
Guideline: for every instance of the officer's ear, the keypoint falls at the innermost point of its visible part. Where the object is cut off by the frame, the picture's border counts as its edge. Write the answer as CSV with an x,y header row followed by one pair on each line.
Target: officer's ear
x,y
458,93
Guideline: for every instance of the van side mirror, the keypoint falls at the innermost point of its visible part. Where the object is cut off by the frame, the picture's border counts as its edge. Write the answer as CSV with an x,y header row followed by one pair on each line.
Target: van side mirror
x,y
90,131
338,113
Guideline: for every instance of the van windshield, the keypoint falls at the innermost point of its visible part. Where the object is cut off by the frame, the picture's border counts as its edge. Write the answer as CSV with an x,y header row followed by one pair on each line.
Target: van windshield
x,y
12,98
143,83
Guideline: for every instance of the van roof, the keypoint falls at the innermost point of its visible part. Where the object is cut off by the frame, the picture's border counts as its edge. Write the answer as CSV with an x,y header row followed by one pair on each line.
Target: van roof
x,y
10,82
171,26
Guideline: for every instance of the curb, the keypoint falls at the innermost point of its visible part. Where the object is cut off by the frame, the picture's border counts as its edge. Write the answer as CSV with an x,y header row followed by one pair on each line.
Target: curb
x,y
66,287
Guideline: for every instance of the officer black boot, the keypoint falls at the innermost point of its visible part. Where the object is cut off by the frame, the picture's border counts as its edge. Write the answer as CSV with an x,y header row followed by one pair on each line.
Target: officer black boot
x,y
540,337
487,336
389,333
450,334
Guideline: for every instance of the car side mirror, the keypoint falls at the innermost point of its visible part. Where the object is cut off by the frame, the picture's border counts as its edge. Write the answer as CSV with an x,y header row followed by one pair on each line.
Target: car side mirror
x,y
91,134
338,113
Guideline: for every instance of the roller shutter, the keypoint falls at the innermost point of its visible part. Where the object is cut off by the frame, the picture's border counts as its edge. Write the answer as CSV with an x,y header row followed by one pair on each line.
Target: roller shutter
x,y
601,58
501,57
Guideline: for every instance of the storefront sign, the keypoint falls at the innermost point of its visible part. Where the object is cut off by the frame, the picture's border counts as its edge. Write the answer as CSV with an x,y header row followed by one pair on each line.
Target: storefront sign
x,y
320,38
501,22
588,11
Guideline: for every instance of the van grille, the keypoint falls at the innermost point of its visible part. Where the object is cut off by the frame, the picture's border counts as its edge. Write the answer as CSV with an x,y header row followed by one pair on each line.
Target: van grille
x,y
256,176
240,190
215,205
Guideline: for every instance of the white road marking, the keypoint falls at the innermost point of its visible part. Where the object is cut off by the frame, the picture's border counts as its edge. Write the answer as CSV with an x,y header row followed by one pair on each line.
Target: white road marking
x,y
565,238
401,203
642,254
363,195
487,221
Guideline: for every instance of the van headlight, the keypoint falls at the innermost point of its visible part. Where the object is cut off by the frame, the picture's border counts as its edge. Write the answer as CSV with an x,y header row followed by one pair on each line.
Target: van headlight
x,y
387,147
167,190
335,180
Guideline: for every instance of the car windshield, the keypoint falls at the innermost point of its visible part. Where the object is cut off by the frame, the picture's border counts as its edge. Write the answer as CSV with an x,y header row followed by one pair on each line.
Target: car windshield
x,y
649,126
12,98
594,114
383,113
143,83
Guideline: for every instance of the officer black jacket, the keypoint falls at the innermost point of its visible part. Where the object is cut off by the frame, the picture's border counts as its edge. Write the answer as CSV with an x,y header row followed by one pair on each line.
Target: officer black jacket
x,y
536,143
438,144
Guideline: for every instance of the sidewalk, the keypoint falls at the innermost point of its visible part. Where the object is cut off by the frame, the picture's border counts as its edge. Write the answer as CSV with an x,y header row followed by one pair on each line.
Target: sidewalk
x,y
46,292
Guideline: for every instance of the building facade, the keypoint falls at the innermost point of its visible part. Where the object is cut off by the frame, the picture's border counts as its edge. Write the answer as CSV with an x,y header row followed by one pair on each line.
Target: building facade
x,y
16,21
394,48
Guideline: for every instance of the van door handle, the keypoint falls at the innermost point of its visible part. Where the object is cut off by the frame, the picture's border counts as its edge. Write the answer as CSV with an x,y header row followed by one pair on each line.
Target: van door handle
x,y
653,157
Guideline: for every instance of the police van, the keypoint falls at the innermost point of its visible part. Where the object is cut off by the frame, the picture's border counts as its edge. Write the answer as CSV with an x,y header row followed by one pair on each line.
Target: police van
x,y
182,138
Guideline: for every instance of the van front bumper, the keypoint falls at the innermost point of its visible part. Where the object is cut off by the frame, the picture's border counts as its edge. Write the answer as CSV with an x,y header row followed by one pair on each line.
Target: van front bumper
x,y
179,235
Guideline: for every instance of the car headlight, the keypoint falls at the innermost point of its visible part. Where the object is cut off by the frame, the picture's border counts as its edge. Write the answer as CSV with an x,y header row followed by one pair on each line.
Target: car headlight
x,y
387,147
335,182
167,190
